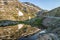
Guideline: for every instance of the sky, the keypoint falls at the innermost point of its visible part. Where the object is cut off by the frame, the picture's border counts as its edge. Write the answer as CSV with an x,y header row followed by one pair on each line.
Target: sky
x,y
44,4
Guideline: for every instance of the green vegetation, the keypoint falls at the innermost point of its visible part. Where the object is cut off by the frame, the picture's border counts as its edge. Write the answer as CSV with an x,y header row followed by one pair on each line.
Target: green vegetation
x,y
36,22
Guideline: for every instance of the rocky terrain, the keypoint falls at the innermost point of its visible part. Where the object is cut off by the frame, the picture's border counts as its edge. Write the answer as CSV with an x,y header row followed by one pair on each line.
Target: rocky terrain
x,y
22,19
52,21
13,15
54,12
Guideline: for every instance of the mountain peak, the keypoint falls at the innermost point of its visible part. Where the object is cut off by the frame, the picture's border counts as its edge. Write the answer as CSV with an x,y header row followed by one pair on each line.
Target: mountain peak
x,y
31,4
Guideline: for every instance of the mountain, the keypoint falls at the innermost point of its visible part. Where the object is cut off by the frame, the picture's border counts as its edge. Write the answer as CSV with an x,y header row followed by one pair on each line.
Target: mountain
x,y
24,19
52,21
13,15
29,10
54,12
52,15
16,9
30,4
8,10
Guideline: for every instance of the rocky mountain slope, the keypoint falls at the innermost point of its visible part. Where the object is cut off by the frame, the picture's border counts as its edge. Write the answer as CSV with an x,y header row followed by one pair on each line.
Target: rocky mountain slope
x,y
54,12
52,16
29,11
32,5
52,21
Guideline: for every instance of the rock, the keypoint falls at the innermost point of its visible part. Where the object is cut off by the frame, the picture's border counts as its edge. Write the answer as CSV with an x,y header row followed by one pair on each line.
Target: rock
x,y
20,13
48,36
53,25
20,26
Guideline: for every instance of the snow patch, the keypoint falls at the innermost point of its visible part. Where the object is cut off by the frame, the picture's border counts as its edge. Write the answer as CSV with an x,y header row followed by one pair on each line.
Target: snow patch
x,y
19,12
20,26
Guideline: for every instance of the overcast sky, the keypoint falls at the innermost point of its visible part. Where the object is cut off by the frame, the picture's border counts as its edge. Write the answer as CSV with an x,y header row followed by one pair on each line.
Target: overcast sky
x,y
45,4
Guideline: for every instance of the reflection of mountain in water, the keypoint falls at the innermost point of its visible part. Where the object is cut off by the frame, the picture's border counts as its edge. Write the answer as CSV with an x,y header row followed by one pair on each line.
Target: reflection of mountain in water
x,y
8,22
42,35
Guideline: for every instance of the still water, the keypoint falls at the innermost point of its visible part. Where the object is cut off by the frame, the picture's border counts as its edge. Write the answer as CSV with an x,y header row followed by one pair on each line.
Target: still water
x,y
34,37
42,35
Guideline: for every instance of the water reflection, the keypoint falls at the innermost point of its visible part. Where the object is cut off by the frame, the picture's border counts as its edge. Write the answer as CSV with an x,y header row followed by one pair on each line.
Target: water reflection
x,y
34,37
4,23
42,35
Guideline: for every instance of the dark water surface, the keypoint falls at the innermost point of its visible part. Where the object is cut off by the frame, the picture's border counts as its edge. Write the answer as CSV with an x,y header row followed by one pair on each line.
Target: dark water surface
x,y
33,37
42,35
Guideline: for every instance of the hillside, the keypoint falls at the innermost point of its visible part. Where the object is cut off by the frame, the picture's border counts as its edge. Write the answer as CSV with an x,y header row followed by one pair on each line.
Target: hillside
x,y
54,12
52,21
24,19
32,5
12,20
29,11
